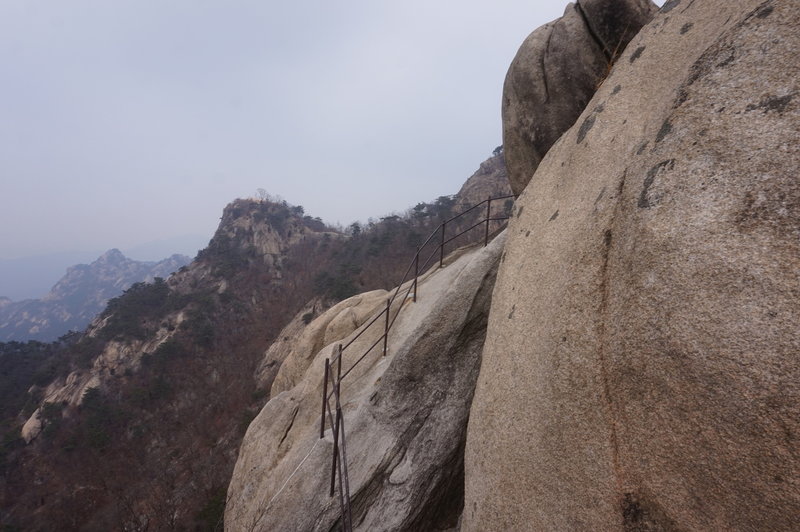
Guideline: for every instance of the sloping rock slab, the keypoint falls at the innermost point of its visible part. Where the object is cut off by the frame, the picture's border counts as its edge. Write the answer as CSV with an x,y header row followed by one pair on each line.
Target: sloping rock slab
x,y
405,420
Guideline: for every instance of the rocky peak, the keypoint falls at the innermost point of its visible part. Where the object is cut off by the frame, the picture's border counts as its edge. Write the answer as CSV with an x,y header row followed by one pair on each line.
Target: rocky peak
x,y
490,180
259,230
111,256
79,296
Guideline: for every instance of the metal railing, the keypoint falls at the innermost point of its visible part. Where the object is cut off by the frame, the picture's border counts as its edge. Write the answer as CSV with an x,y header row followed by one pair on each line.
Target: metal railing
x,y
334,414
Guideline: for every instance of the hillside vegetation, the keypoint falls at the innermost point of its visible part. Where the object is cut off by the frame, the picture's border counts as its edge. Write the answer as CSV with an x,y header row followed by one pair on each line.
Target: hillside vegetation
x,y
146,409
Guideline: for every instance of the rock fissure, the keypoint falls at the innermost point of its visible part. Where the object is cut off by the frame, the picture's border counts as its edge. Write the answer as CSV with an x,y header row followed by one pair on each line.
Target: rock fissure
x,y
544,66
592,33
289,426
603,341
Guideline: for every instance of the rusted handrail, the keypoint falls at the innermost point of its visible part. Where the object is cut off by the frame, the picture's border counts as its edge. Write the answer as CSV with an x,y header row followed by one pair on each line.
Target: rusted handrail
x,y
339,462
339,459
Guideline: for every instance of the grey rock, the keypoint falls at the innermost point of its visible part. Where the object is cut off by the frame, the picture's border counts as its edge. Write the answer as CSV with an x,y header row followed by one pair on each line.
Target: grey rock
x,y
555,73
405,418
640,369
489,181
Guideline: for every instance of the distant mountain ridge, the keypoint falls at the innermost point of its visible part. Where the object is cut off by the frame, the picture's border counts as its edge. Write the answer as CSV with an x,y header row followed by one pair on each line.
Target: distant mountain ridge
x,y
79,296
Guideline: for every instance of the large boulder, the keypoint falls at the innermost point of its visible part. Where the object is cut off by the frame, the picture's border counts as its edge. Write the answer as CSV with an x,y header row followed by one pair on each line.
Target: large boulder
x,y
555,73
299,343
405,417
641,368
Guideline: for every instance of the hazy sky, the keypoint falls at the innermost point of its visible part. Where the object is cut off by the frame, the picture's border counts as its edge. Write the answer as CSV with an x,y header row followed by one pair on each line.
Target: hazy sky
x,y
129,121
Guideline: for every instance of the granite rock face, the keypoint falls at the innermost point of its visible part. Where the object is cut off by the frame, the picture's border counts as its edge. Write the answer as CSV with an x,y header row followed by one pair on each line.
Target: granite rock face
x,y
641,366
335,323
555,73
489,181
405,416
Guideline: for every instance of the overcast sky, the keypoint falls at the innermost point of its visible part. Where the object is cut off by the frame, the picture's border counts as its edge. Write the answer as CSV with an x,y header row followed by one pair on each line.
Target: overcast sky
x,y
128,121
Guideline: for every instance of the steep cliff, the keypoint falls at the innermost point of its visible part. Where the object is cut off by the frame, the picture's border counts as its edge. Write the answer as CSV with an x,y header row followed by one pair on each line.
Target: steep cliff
x,y
640,369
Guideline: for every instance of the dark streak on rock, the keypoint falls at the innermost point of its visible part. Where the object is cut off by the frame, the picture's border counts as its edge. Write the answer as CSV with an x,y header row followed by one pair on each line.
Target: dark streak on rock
x,y
528,234
511,314
291,423
644,201
600,196
765,11
589,122
555,215
642,147
636,54
593,34
772,103
585,127
666,129
710,60
602,340
639,515
544,68
616,89
686,27
670,5
728,60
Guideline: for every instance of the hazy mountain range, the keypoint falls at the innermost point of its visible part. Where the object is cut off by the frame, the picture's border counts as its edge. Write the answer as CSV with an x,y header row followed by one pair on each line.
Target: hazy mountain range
x,y
31,277
78,296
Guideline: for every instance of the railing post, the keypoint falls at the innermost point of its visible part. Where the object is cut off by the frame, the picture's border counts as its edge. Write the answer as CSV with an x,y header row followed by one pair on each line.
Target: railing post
x,y
324,397
339,369
416,273
441,247
488,215
386,326
335,445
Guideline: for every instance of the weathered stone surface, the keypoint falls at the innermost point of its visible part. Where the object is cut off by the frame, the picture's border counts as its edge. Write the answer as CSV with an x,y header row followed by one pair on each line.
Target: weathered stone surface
x,y
283,345
555,73
489,181
405,419
336,322
641,368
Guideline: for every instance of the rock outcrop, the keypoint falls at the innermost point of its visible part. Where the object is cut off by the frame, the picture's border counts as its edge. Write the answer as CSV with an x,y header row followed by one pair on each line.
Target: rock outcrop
x,y
641,367
302,347
555,73
489,181
405,416
250,232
